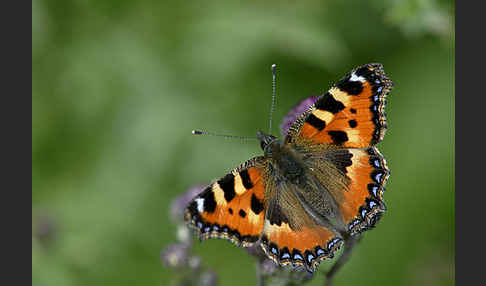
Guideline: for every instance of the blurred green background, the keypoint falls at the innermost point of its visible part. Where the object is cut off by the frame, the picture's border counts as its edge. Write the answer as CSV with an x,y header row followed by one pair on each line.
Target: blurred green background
x,y
119,85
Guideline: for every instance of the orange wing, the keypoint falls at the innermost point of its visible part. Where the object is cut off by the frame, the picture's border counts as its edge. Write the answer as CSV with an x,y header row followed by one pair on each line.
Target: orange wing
x,y
231,208
351,114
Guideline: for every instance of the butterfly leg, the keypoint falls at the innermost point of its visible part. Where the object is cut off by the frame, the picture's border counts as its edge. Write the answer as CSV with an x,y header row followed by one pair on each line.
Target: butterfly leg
x,y
349,244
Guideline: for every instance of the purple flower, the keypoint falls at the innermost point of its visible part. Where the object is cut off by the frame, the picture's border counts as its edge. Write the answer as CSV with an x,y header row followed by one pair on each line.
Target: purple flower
x,y
195,262
208,278
175,255
295,112
257,251
178,205
268,267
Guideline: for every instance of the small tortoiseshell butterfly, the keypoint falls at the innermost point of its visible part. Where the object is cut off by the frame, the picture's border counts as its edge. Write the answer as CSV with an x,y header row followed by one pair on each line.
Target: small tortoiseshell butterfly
x,y
310,193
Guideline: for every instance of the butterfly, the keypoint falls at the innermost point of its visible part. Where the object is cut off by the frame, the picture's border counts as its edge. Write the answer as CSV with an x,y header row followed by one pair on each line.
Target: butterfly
x,y
313,191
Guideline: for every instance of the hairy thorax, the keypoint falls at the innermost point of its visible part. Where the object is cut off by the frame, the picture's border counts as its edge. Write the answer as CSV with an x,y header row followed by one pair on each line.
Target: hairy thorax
x,y
285,163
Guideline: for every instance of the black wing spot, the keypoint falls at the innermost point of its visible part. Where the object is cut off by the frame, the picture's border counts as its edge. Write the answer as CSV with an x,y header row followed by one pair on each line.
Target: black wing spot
x,y
328,103
245,179
350,87
256,204
352,123
230,210
316,122
352,110
209,201
339,137
242,213
227,184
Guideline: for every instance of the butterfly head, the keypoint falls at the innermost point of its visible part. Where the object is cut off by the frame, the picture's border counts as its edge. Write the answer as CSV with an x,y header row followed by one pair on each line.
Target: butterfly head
x,y
268,142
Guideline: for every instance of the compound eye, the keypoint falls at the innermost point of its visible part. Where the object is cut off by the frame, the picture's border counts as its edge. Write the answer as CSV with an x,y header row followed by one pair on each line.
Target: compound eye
x,y
262,144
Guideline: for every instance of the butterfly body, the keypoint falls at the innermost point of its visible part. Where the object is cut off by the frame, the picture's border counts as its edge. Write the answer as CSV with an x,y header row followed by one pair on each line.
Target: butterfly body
x,y
312,191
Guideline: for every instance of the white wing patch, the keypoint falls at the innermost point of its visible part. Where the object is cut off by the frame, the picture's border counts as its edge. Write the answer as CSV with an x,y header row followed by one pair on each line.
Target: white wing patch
x,y
357,78
200,204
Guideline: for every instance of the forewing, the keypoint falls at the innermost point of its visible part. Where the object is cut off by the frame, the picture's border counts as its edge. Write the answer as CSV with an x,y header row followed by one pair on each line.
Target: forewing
x,y
231,208
351,114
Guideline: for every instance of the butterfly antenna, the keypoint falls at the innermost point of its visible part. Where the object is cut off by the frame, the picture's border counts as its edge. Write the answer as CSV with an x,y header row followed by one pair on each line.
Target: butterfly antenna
x,y
274,93
199,132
